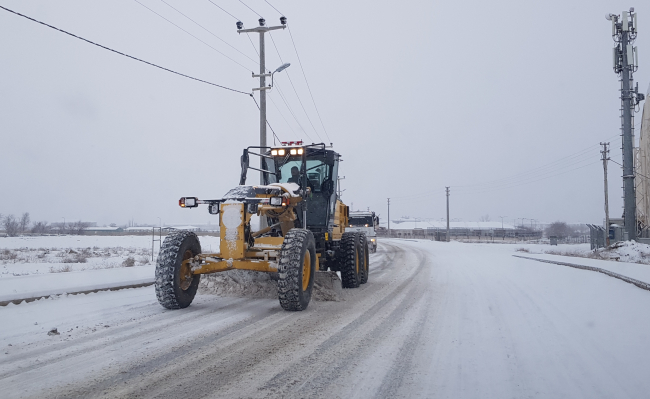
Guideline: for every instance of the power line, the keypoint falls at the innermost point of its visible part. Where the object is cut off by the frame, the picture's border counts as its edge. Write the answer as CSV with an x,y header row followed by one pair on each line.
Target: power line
x,y
291,111
121,53
273,7
553,164
531,175
635,172
210,32
238,20
231,59
282,115
258,14
309,88
295,91
267,121
419,197
222,9
520,179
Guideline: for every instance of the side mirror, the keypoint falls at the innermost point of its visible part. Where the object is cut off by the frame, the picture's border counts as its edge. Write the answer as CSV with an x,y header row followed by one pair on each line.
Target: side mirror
x,y
188,202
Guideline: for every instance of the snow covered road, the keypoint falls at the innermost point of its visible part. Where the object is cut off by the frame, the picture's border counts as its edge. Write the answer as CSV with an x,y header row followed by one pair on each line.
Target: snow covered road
x,y
436,320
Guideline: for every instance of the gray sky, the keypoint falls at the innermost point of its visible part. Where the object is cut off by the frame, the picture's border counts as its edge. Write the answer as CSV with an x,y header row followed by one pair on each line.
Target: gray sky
x,y
416,96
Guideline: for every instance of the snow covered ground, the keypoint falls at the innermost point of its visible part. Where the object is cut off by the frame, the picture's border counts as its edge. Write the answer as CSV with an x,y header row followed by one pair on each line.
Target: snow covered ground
x,y
448,320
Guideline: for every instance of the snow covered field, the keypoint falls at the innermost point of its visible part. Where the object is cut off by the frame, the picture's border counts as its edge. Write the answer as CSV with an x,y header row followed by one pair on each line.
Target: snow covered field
x,y
448,320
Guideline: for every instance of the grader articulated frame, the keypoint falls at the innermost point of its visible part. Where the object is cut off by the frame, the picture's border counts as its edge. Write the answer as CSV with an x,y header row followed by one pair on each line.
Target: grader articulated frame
x,y
305,234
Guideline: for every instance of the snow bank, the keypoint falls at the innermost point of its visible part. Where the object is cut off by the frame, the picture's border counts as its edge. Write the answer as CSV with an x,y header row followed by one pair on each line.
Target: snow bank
x,y
39,285
628,251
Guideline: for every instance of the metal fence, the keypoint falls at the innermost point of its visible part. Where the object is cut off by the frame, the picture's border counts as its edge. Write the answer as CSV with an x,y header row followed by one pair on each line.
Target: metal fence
x,y
596,236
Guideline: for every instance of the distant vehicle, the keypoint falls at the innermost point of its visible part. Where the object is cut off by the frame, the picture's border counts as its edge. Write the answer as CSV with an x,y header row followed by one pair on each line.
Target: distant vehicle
x,y
365,222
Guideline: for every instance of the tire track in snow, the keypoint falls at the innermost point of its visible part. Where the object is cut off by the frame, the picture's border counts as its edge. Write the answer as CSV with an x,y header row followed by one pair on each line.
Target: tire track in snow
x,y
334,358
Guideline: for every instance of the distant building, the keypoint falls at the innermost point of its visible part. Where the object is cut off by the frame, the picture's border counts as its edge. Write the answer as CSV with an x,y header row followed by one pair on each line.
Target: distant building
x,y
103,230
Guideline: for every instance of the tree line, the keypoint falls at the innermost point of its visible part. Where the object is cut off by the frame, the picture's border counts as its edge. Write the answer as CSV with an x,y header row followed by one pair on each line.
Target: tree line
x,y
15,226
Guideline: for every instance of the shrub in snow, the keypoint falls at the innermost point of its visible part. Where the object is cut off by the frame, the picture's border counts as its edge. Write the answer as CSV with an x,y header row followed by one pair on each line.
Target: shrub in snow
x,y
129,262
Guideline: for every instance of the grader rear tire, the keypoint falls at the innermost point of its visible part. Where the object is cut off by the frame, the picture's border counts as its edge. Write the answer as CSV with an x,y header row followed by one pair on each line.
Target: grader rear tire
x,y
296,269
175,284
365,256
348,261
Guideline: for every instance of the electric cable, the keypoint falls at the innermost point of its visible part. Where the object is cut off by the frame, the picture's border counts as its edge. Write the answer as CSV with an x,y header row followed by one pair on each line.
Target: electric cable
x,y
635,172
231,59
306,81
520,179
121,53
295,91
210,32
273,7
238,20
552,164
222,9
277,86
258,14
425,196
282,115
267,121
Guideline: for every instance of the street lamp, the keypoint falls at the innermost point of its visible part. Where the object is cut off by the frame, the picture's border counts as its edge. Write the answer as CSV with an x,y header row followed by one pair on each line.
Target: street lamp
x,y
280,69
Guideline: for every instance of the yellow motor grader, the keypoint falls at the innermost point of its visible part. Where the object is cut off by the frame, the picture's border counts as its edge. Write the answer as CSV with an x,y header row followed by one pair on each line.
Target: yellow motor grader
x,y
305,231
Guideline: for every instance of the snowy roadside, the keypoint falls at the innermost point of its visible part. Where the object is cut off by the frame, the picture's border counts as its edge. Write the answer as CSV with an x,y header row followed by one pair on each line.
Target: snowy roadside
x,y
41,266
41,285
636,271
630,259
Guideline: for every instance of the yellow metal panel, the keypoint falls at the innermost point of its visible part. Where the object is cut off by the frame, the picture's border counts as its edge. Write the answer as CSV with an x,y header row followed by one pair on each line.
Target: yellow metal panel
x,y
232,230
340,220
269,241
245,264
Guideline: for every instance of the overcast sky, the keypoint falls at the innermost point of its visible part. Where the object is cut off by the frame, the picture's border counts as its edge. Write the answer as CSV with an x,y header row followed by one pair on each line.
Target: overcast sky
x,y
504,101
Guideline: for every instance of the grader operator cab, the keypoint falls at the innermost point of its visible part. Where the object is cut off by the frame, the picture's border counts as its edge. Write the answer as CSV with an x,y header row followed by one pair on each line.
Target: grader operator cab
x,y
305,231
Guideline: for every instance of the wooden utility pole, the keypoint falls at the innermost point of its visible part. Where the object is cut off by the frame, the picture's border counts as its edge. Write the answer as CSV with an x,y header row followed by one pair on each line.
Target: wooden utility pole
x,y
605,158
389,217
447,189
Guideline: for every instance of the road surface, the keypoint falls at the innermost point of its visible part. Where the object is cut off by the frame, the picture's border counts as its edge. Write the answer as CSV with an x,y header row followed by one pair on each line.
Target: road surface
x,y
436,320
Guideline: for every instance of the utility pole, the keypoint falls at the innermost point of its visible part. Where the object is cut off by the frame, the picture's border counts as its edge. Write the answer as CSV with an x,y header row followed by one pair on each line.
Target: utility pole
x,y
605,158
262,29
388,217
339,185
447,190
624,33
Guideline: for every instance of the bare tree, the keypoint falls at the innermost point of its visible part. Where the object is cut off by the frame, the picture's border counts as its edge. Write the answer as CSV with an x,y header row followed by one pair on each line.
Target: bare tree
x,y
24,222
41,228
559,230
484,218
11,225
78,228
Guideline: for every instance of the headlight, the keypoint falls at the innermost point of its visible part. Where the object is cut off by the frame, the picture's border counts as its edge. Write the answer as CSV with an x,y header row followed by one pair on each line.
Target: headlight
x,y
281,152
276,201
300,151
293,151
372,239
274,152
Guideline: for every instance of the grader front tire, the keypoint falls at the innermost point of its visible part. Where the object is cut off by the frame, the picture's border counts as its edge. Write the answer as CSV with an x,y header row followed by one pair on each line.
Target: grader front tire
x,y
175,284
296,269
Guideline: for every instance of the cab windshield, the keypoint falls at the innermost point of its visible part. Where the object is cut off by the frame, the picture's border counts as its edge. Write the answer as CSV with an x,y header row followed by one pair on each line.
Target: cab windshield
x,y
317,173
